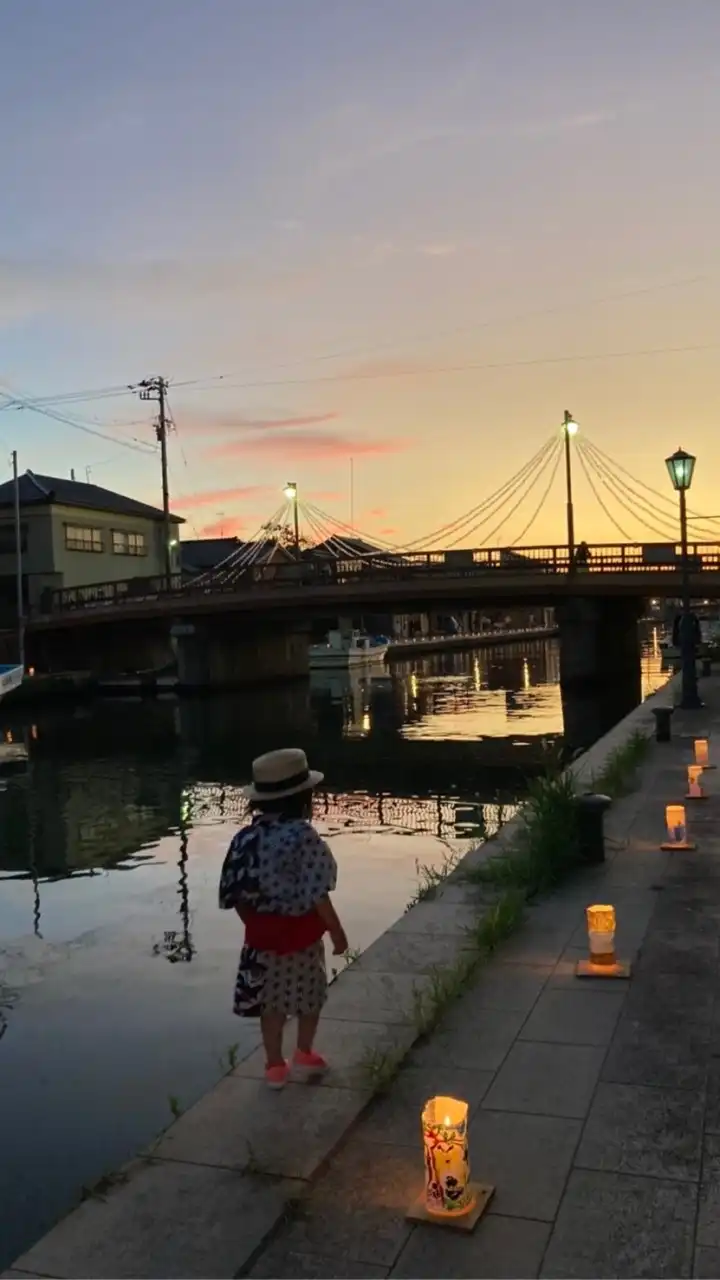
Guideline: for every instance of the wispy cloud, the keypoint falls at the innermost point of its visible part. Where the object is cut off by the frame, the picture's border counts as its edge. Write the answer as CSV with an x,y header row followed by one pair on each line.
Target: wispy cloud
x,y
231,527
306,446
376,513
230,420
216,497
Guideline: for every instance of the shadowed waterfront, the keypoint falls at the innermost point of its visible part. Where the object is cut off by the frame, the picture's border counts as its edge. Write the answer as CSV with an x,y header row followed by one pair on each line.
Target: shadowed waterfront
x,y
116,967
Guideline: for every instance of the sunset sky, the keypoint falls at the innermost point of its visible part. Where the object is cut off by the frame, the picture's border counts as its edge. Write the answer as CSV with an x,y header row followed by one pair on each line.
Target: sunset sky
x,y
404,232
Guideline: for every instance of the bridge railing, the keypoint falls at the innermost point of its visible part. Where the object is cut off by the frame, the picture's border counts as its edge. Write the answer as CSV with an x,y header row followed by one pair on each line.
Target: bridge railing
x,y
553,560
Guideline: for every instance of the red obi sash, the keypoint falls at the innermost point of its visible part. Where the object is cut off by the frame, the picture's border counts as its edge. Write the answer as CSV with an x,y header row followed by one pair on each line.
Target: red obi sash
x,y
282,934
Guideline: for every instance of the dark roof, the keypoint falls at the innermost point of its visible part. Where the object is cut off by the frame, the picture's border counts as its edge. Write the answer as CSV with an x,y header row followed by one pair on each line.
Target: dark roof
x,y
343,547
206,553
38,490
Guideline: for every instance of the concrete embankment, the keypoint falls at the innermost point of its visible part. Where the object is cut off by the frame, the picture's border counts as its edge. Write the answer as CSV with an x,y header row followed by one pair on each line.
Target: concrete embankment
x,y
217,1194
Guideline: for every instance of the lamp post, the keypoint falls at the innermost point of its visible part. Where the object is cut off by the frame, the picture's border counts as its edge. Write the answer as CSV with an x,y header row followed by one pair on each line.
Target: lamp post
x,y
570,428
681,466
291,493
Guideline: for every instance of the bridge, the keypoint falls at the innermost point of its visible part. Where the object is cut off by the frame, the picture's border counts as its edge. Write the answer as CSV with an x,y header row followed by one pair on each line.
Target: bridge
x,y
248,618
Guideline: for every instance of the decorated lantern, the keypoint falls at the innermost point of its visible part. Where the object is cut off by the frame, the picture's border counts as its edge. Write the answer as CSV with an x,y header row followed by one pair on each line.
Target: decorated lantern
x,y
601,934
447,1161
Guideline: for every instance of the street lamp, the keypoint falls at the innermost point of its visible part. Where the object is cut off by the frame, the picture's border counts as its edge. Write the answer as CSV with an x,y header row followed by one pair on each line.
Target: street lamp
x,y
291,493
681,466
570,428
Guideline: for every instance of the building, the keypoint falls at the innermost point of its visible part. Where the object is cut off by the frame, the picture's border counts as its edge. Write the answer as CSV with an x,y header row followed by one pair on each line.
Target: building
x,y
204,555
75,534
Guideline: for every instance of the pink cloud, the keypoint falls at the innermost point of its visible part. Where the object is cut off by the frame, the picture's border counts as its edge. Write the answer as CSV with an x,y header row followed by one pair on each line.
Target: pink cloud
x,y
215,497
222,528
377,512
389,530
306,445
228,420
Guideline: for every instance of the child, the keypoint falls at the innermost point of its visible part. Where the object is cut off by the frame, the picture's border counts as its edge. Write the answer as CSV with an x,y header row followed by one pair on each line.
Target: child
x,y
278,874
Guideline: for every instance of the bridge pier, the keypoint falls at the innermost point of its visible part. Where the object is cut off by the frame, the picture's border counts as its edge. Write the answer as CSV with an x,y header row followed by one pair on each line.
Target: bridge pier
x,y
600,671
227,654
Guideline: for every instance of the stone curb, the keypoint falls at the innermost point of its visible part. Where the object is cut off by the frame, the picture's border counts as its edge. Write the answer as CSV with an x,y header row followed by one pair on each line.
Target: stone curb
x,y
207,1195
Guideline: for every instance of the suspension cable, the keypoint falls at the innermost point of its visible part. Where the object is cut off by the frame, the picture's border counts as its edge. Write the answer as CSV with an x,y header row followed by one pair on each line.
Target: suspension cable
x,y
638,500
599,500
662,497
488,538
541,503
601,474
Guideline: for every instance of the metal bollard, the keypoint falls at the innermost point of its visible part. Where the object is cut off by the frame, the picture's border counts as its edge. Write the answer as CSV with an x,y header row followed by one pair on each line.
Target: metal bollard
x,y
707,667
663,717
590,827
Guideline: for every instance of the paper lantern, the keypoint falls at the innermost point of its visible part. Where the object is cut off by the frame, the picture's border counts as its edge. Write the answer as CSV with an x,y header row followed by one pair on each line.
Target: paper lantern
x,y
695,791
447,1161
676,828
702,753
601,933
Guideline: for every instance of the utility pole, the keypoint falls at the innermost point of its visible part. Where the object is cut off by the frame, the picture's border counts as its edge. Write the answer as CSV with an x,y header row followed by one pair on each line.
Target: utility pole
x,y
569,429
156,389
19,565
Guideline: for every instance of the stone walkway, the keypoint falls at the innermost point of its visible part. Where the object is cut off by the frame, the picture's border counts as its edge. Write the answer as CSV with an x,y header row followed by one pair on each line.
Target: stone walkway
x,y
595,1106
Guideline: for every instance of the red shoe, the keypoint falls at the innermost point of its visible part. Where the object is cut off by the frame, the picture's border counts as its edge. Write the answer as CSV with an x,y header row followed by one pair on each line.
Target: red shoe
x,y
308,1065
276,1077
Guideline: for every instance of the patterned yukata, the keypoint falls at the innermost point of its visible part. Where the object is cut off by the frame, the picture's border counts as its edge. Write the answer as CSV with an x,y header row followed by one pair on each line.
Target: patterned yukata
x,y
282,867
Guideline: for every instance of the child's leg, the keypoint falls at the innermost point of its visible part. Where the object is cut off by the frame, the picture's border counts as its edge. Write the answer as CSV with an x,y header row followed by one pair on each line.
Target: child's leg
x,y
272,1025
307,1026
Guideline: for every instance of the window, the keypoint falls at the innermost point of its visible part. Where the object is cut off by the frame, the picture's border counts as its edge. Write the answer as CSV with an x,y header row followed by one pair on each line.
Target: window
x,y
80,537
8,540
128,544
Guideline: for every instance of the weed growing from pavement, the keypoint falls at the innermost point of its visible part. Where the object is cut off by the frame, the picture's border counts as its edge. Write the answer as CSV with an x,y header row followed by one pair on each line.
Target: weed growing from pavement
x,y
618,775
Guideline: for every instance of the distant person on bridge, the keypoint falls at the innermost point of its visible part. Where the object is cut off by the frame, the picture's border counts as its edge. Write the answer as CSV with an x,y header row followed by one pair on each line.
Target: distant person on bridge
x,y
582,555
278,874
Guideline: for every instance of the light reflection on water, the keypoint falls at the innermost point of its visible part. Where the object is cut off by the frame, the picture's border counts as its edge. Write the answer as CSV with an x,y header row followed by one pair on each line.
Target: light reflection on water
x,y
116,967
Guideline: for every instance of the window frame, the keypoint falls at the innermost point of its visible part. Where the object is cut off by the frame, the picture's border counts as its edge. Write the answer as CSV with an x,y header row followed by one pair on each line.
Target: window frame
x,y
132,543
96,543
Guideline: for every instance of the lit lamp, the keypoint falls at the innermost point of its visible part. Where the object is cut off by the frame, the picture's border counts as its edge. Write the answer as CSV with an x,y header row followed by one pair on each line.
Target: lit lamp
x,y
449,1199
602,961
702,753
676,828
695,791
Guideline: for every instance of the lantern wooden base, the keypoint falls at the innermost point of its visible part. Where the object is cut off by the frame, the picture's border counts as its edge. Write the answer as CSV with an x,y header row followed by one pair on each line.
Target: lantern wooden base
x,y
689,796
681,844
483,1193
587,969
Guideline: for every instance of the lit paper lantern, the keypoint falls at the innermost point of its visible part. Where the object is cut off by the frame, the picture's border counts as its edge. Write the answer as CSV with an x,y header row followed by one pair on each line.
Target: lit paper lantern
x,y
447,1161
677,827
601,933
702,753
695,791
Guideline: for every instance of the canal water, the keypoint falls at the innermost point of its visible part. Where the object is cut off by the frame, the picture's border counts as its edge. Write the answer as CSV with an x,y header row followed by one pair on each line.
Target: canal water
x,y
116,967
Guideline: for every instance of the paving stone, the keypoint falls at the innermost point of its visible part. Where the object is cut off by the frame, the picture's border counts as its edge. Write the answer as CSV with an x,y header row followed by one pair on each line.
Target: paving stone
x,y
508,986
667,1056
707,1263
499,1248
402,952
286,1133
615,1225
712,1099
395,1118
670,998
359,996
546,1079
357,1210
569,1017
633,1129
437,916
167,1219
24,1275
535,946
355,1051
708,1228
280,1263
477,1043
526,1158
669,951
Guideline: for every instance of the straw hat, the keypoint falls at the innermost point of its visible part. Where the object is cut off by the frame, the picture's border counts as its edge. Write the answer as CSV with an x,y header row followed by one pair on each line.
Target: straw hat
x,y
281,773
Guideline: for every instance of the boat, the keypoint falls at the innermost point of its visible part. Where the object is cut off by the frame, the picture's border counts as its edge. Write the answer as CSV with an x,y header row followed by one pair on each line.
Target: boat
x,y
353,650
11,677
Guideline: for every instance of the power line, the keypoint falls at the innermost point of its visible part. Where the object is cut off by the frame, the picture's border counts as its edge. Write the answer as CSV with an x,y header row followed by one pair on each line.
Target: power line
x,y
23,402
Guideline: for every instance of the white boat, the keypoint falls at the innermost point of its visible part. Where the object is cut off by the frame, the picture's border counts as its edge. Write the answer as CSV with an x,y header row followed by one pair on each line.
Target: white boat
x,y
10,678
342,651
